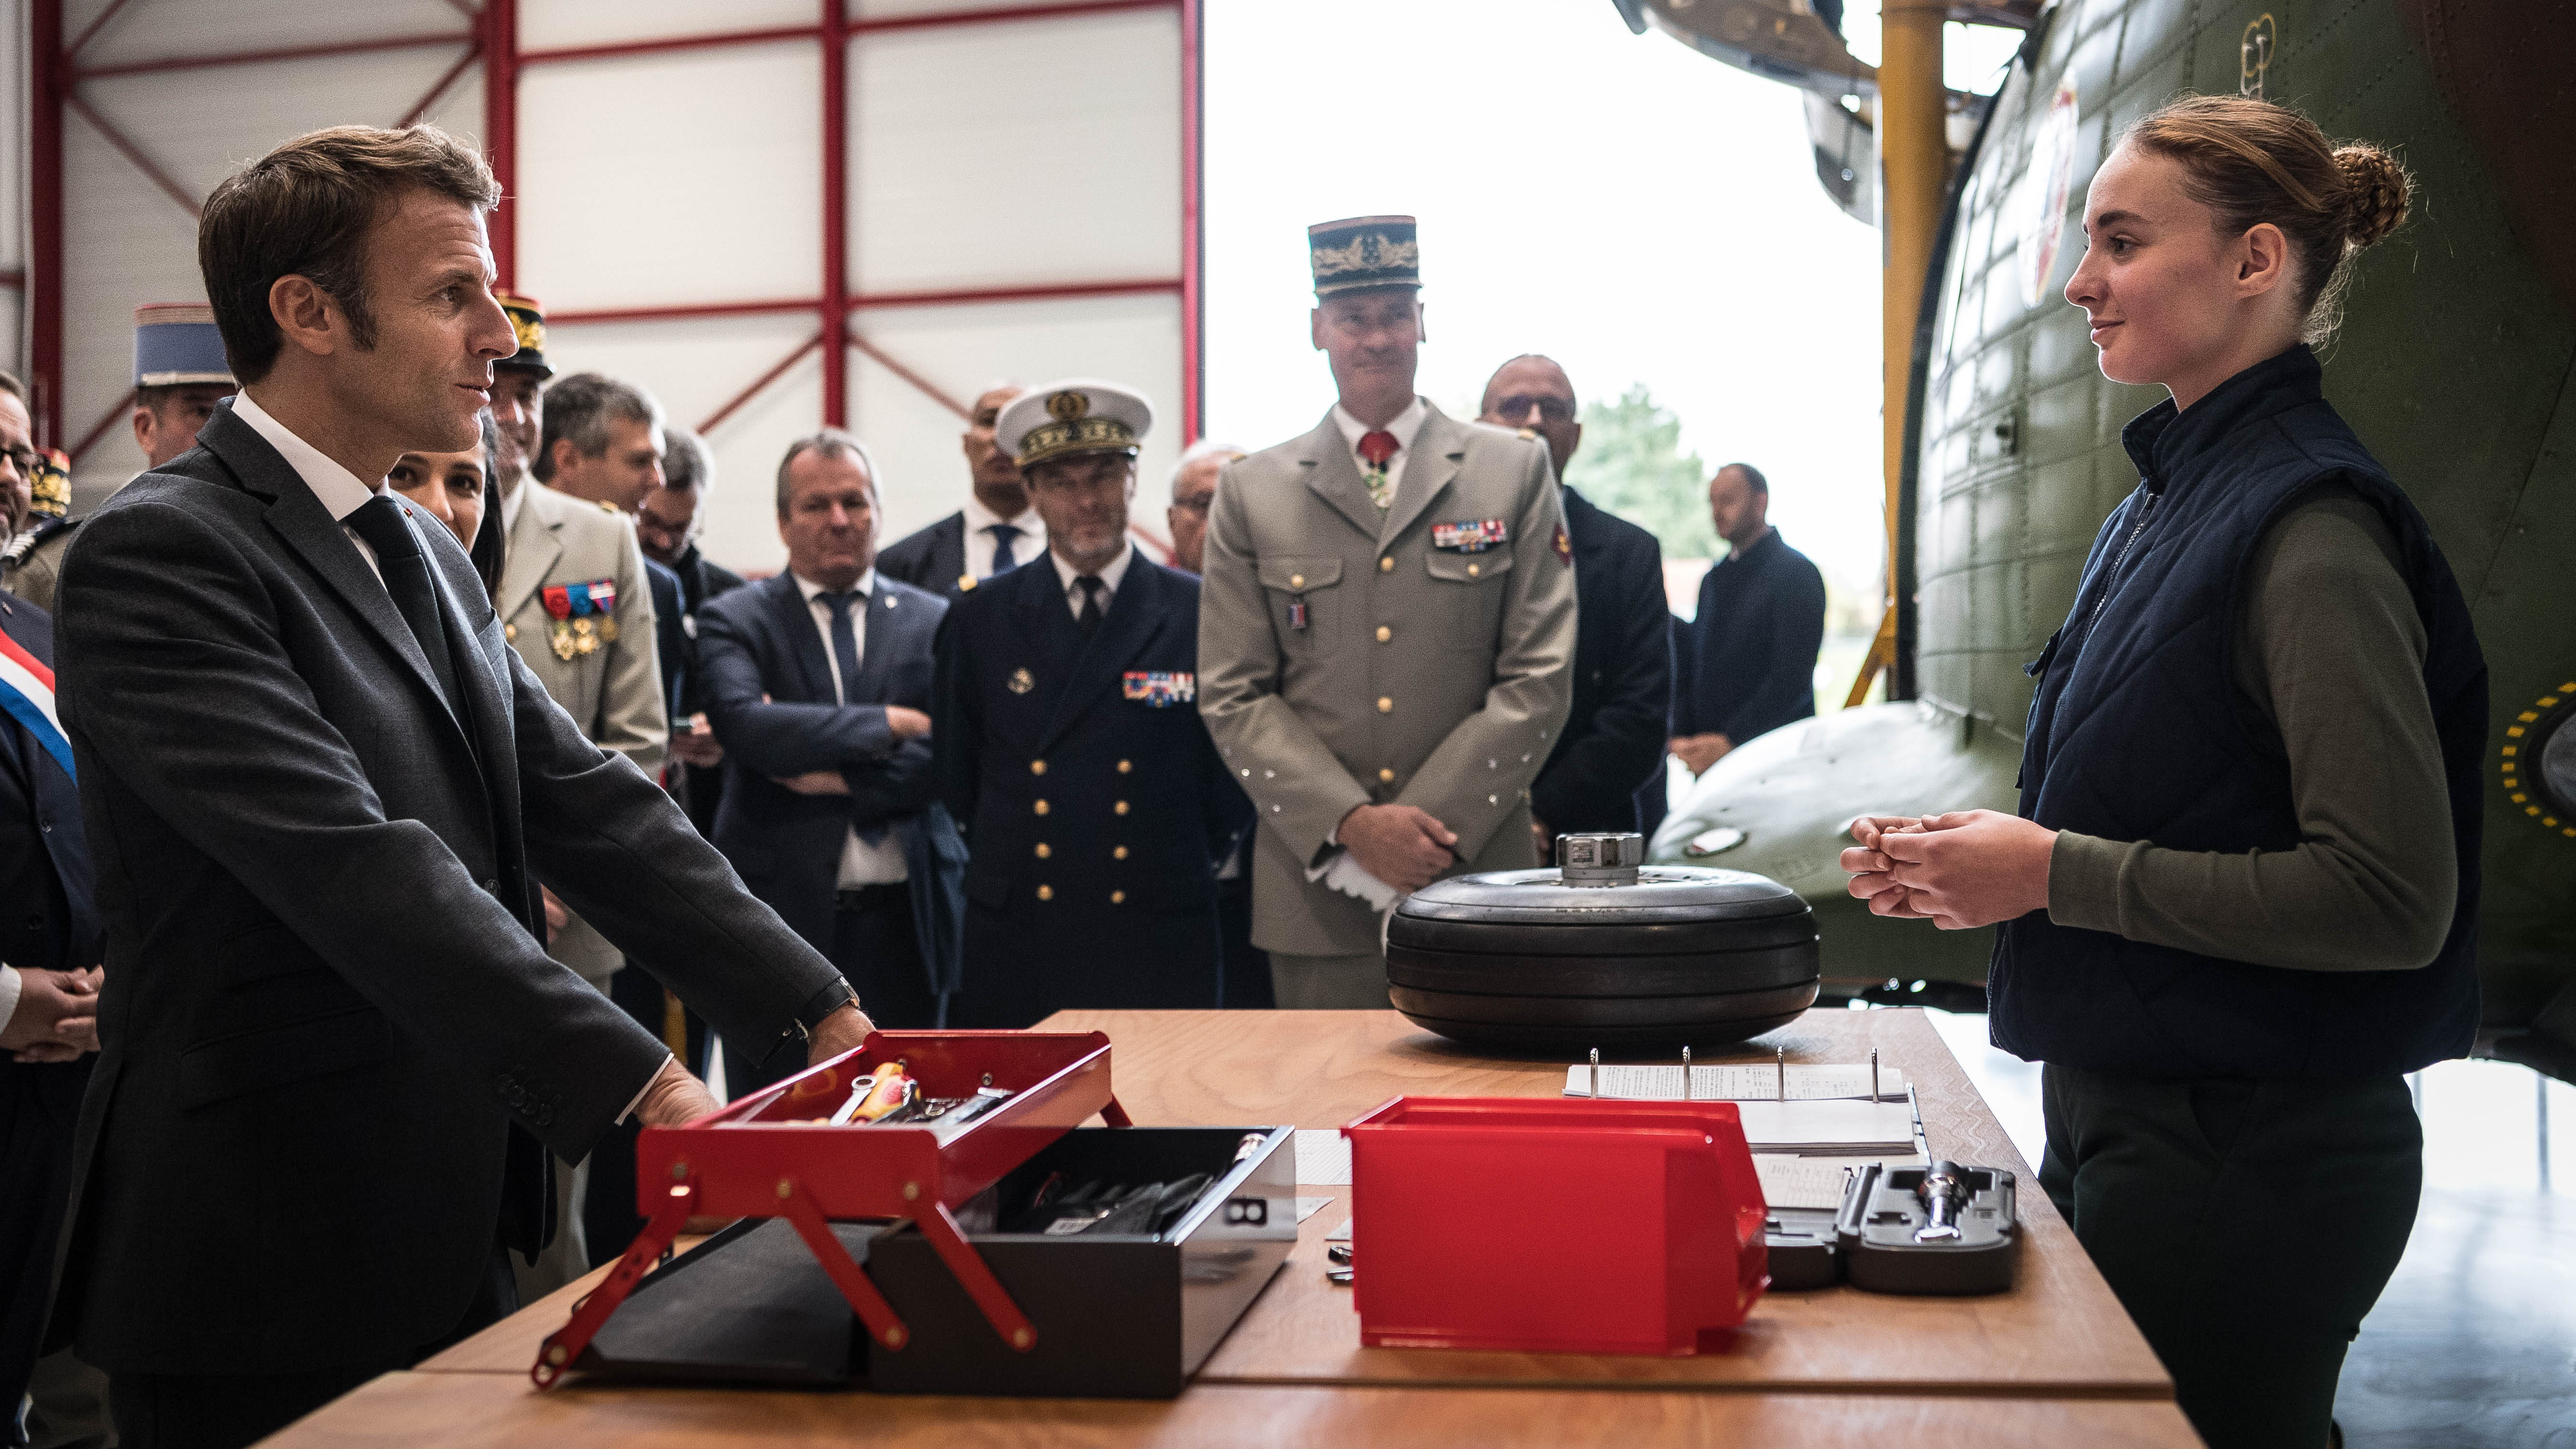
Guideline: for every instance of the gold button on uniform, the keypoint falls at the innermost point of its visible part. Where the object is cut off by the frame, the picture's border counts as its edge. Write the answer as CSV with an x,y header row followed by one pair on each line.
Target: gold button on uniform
x,y
1386,564
1120,807
1117,898
1042,807
1046,893
1037,767
509,631
1474,569
1124,767
1384,633
1384,777
1119,854
1296,581
1044,850
1384,706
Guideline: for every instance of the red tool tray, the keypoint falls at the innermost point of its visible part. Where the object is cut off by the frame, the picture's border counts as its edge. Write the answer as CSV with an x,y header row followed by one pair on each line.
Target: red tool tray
x,y
1553,1226
758,1157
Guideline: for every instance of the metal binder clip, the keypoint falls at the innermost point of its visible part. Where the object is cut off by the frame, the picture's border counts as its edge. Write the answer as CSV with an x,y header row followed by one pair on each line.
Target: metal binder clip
x,y
1686,1081
1783,1059
1596,1074
1873,1074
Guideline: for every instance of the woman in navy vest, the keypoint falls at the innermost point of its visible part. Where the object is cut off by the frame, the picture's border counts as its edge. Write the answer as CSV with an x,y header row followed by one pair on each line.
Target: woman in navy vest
x,y
2231,916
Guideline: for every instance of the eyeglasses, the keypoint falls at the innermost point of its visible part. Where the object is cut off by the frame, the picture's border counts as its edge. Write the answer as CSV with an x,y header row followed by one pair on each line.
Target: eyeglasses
x,y
23,459
1517,407
1197,503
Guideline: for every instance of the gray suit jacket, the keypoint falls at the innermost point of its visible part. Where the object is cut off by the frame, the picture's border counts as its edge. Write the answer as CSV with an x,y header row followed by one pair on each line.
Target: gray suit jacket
x,y
329,1038
614,692
1345,659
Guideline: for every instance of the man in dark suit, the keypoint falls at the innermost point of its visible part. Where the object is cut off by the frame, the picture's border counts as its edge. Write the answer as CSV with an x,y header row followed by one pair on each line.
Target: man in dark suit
x,y
818,683
1613,740
1069,739
667,528
49,954
320,791
1750,666
994,533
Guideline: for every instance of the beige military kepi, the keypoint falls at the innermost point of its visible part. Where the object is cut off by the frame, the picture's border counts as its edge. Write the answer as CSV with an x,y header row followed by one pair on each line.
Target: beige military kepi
x,y
1419,656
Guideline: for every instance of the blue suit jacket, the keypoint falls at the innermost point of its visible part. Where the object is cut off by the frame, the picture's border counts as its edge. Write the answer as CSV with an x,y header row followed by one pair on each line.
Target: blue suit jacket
x,y
50,924
768,691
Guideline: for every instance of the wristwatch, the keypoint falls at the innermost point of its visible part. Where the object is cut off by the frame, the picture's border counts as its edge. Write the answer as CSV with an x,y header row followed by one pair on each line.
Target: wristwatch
x,y
834,995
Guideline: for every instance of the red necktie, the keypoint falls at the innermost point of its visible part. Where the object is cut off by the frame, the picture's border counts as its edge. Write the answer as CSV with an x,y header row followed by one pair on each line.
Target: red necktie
x,y
1377,448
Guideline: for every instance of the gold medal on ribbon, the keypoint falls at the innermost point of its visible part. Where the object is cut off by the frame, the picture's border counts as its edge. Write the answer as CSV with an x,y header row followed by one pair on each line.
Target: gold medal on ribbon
x,y
608,631
564,646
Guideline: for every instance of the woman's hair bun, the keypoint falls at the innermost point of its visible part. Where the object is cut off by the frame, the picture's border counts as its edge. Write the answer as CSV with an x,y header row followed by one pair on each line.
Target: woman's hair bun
x,y
2375,188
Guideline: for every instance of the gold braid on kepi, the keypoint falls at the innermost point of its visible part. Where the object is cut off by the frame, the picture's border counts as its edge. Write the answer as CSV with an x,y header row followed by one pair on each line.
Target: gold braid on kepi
x,y
51,484
1073,415
1362,252
528,321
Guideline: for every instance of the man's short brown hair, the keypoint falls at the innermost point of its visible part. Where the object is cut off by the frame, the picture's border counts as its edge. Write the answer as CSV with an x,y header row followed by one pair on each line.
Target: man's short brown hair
x,y
304,210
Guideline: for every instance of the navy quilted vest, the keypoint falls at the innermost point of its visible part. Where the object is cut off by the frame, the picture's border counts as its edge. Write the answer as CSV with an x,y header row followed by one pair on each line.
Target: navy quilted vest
x,y
2138,732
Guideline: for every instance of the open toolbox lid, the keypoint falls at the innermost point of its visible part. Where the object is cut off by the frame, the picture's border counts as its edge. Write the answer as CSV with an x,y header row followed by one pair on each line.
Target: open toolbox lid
x,y
770,1155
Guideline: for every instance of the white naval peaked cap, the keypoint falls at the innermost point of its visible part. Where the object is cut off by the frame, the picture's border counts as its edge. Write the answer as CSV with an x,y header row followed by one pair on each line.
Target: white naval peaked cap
x,y
1073,415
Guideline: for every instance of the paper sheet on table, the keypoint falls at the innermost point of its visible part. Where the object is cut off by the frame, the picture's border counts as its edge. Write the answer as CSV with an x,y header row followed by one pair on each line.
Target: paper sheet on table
x,y
1323,1157
1828,1128
1737,1082
1307,1207
1801,1182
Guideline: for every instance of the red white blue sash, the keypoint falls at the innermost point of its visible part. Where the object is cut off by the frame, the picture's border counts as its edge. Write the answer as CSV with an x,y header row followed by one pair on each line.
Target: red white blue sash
x,y
27,695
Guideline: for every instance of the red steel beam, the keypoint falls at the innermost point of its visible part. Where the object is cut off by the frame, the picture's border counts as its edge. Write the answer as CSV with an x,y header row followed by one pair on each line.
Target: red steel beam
x,y
98,430
762,381
928,389
1004,14
92,29
1193,227
47,87
151,169
686,311
714,39
836,215
501,59
15,279
710,40
1040,292
420,108
262,57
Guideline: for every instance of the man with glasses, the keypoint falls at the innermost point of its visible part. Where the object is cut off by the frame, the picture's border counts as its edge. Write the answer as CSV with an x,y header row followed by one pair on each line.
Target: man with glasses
x,y
1069,743
1193,494
995,532
1613,740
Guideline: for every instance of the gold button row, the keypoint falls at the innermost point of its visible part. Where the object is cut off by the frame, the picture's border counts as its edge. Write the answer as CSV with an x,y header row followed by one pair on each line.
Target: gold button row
x,y
1386,564
1385,777
1384,633
1116,898
1384,706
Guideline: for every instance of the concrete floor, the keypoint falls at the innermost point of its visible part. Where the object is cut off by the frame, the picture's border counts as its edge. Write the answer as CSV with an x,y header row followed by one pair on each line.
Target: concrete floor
x,y
2473,1345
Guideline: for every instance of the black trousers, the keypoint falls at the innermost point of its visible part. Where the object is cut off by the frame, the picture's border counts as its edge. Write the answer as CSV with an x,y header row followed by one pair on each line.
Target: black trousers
x,y
879,954
1247,966
2246,1225
226,1411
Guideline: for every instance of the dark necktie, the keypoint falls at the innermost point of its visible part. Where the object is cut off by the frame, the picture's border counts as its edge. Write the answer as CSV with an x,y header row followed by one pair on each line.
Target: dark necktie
x,y
405,571
1004,534
845,653
1088,617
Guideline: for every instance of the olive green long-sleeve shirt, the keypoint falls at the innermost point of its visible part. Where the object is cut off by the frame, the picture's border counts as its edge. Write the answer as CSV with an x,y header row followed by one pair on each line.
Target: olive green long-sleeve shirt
x,y
2330,648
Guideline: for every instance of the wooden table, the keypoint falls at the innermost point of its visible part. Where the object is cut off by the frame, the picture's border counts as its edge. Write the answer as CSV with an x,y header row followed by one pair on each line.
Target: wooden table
x,y
2052,1362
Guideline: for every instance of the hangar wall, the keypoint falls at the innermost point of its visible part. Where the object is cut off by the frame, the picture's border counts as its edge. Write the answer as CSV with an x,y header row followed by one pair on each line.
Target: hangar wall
x,y
774,214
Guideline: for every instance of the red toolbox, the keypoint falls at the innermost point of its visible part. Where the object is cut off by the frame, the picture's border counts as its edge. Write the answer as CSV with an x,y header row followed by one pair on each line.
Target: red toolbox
x,y
1553,1226
766,1156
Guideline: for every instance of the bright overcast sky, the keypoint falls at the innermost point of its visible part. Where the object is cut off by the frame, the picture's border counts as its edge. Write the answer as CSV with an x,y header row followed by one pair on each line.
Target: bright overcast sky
x,y
1635,210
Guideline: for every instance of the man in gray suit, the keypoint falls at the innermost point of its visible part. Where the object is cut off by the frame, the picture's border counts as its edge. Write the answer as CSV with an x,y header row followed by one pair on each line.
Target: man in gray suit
x,y
1384,636
320,791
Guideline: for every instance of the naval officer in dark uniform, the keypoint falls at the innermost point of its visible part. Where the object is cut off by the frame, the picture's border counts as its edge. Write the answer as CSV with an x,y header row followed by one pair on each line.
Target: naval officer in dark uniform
x,y
1069,742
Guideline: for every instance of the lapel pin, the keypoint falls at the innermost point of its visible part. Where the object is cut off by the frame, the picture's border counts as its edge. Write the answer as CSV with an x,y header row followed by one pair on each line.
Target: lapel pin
x,y
1022,681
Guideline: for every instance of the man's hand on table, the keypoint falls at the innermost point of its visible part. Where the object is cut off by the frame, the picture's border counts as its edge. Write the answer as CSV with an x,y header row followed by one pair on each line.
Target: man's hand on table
x,y
1401,845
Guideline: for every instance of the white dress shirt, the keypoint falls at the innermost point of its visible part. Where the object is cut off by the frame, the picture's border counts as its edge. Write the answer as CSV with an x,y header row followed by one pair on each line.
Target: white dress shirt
x,y
981,546
862,864
8,994
1406,427
1109,575
339,490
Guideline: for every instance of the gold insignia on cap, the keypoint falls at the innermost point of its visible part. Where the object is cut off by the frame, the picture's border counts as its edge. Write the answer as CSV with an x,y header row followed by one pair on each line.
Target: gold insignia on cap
x,y
531,332
1067,405
604,505
1022,681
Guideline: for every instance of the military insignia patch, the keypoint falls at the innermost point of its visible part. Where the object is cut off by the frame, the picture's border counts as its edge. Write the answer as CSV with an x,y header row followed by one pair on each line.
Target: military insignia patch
x,y
581,614
1021,681
1159,690
1470,535
1564,546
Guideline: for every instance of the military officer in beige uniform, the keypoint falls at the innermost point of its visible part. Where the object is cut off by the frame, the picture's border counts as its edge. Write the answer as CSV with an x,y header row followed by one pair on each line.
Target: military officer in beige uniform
x,y
1385,638
594,655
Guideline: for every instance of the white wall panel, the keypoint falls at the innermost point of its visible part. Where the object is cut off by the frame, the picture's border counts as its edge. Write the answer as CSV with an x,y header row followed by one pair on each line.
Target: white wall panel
x,y
1009,154
161,29
695,367
553,24
672,177
1130,340
13,181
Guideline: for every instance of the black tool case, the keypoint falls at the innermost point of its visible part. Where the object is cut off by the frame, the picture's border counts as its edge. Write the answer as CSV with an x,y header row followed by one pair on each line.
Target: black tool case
x,y
1883,1212
1117,1315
